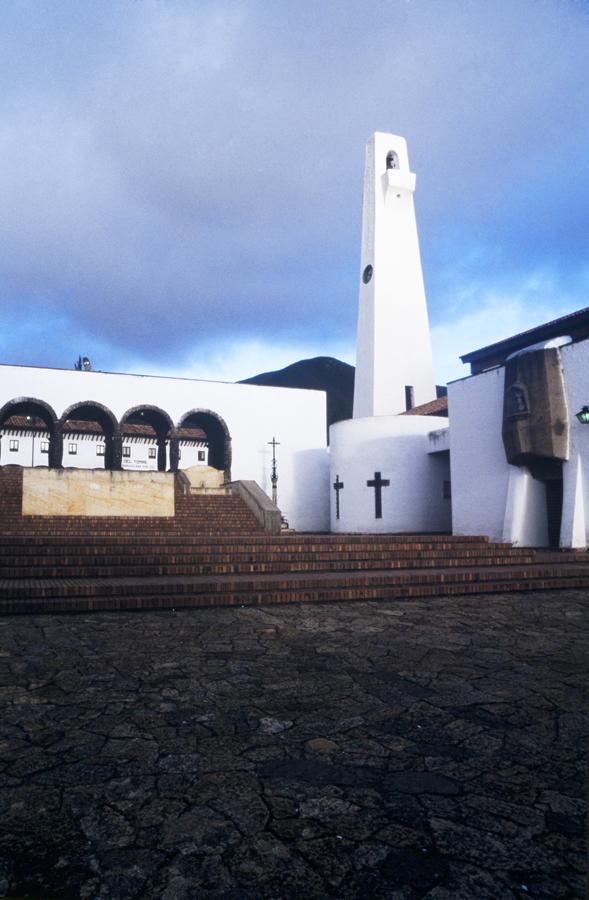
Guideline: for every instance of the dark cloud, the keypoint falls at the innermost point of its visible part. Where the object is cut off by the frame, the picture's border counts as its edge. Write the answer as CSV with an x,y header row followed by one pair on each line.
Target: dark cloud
x,y
177,175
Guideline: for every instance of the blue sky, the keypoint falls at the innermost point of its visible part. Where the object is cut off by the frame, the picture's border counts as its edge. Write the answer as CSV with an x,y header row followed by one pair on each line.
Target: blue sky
x,y
180,181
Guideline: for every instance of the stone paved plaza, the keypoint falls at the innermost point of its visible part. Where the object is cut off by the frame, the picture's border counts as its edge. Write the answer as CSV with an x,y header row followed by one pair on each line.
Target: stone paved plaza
x,y
404,749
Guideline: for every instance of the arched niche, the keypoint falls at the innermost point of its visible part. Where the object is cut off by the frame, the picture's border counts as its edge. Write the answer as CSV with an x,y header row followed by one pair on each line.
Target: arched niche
x,y
155,422
217,436
392,159
37,411
88,413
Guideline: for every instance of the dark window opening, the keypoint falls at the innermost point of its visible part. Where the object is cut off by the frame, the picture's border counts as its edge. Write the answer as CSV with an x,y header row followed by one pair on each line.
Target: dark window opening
x,y
409,396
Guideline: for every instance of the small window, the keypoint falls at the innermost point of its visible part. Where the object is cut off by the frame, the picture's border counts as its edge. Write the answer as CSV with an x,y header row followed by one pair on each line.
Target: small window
x,y
13,444
447,490
152,453
44,446
201,456
72,449
127,451
179,453
100,450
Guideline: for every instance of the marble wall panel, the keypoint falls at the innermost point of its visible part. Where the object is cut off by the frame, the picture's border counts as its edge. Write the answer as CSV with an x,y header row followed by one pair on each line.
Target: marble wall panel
x,y
79,492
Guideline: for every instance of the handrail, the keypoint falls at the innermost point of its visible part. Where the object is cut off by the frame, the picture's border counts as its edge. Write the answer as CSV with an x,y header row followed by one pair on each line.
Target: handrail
x,y
183,481
265,511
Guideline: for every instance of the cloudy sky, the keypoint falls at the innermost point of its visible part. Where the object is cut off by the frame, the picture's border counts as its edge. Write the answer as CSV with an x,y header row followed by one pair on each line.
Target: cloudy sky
x,y
180,180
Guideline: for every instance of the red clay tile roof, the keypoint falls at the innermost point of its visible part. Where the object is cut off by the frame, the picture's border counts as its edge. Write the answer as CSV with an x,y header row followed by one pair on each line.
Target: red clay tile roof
x,y
82,427
438,407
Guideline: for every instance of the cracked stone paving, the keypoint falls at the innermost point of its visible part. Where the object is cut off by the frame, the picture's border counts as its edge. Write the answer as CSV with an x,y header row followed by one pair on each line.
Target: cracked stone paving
x,y
395,749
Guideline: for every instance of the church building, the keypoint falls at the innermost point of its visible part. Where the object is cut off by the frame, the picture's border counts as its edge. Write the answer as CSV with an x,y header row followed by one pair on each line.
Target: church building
x,y
519,438
511,462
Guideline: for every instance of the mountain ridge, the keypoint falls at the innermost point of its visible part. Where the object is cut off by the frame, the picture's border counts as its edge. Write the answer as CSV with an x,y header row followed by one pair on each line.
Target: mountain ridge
x,y
319,373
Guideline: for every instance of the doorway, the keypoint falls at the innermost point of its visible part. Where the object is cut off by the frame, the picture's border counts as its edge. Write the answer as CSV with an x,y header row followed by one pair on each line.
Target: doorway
x,y
550,472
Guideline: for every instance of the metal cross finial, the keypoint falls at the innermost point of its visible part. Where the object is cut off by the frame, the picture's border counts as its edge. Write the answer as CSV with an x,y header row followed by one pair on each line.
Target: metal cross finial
x,y
337,486
274,476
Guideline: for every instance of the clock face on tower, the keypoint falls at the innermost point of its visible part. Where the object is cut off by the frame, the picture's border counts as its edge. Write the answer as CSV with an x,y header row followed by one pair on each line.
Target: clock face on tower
x,y
367,274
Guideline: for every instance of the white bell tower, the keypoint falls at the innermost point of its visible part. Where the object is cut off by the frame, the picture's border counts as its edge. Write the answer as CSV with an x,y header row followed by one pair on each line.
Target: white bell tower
x,y
394,368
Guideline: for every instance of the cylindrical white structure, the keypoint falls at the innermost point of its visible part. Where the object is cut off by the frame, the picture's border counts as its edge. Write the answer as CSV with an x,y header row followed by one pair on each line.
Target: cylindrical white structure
x,y
392,452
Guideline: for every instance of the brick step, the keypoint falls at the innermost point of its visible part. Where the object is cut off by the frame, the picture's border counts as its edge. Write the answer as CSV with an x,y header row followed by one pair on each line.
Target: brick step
x,y
94,556
63,595
209,532
81,564
241,512
246,582
94,553
217,525
238,510
284,542
173,602
221,552
122,568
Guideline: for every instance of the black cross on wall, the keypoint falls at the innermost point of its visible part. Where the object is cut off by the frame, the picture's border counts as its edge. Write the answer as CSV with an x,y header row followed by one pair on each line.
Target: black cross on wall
x,y
378,483
337,486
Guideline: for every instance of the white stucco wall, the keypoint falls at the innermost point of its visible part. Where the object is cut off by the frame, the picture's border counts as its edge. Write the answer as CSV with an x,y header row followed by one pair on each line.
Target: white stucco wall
x,y
504,502
253,414
575,513
525,522
477,458
397,447
31,451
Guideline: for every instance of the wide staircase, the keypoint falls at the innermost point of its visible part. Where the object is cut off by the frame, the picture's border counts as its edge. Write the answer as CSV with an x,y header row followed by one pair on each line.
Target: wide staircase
x,y
214,552
204,514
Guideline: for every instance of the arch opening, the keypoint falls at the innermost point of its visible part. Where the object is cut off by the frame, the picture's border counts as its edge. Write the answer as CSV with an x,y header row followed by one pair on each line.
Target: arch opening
x,y
27,433
210,427
148,439
88,433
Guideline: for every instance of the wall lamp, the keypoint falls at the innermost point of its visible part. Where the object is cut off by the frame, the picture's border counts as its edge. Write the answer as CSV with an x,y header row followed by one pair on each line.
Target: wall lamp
x,y
583,416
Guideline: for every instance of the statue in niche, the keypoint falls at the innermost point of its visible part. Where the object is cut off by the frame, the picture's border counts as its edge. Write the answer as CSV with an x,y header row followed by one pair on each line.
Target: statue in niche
x,y
535,415
392,160
516,401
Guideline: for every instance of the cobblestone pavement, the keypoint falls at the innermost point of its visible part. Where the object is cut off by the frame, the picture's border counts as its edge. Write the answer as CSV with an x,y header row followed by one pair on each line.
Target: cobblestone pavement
x,y
401,750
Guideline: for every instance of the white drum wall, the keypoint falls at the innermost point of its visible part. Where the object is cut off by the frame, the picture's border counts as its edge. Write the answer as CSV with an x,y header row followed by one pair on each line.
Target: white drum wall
x,y
397,447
